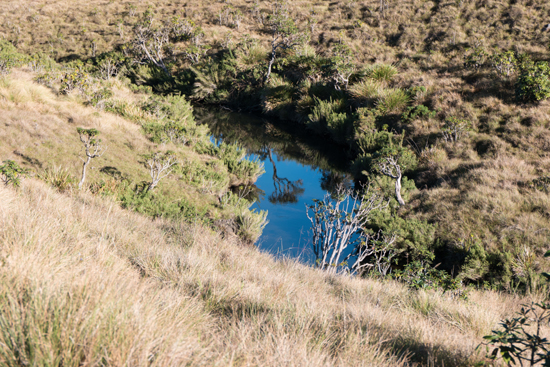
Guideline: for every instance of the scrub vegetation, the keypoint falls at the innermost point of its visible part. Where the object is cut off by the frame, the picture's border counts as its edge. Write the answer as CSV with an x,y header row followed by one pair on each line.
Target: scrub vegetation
x,y
442,110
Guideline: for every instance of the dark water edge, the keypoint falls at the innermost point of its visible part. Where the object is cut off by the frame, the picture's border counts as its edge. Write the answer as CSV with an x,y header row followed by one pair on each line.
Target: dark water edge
x,y
299,168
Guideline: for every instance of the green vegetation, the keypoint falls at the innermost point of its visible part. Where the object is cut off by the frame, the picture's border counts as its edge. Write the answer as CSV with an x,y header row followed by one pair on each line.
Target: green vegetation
x,y
11,173
441,107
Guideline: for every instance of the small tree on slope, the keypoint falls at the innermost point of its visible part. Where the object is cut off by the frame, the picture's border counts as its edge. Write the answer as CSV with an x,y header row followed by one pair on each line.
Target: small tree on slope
x,y
93,149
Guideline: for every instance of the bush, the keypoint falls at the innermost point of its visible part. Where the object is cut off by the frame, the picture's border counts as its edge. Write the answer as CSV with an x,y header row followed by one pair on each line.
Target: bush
x,y
233,157
11,173
454,128
415,239
74,79
157,205
521,339
533,83
417,112
476,59
10,57
251,224
326,117
419,275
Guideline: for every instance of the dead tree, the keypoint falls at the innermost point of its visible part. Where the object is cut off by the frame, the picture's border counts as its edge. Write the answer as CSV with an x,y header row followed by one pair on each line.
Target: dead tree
x,y
374,253
93,149
390,167
160,165
337,225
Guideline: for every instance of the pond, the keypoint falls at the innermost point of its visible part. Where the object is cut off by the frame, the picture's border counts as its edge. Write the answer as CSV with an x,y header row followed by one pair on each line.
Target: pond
x,y
299,168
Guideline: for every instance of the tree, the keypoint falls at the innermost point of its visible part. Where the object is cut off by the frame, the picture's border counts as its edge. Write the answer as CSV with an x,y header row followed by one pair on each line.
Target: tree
x,y
93,149
285,33
392,161
160,165
109,64
375,253
150,43
342,65
337,225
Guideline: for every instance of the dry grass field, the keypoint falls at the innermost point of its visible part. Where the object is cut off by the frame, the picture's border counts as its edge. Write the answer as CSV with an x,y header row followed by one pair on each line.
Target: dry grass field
x,y
85,283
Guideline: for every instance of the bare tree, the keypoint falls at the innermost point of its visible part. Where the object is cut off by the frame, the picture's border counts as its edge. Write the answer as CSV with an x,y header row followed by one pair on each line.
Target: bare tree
x,y
375,253
93,149
285,34
337,225
390,167
160,165
150,43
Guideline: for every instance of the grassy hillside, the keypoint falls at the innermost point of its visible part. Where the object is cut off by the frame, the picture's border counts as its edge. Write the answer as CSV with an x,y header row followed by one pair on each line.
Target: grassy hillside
x,y
446,81
39,130
83,282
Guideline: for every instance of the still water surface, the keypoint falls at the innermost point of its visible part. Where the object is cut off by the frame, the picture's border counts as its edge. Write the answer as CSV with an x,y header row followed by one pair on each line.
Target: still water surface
x,y
298,169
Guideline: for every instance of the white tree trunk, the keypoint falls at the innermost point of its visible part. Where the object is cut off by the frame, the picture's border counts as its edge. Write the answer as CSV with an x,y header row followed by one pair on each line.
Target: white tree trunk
x,y
83,178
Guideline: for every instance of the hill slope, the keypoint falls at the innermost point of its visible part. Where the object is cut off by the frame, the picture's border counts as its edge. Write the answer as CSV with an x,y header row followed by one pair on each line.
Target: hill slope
x,y
83,282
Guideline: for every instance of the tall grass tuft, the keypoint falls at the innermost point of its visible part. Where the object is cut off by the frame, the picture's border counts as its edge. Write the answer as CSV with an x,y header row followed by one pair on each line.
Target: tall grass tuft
x,y
381,72
366,90
392,100
58,177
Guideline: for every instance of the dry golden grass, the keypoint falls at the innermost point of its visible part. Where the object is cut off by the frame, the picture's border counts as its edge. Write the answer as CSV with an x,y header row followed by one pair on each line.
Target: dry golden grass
x,y
85,282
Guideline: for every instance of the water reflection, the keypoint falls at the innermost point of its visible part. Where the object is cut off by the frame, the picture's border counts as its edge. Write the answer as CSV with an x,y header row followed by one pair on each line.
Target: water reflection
x,y
286,191
298,169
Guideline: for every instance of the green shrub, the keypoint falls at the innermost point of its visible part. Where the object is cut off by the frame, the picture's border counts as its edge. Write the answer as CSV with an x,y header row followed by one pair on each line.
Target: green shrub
x,y
521,339
10,57
476,263
420,275
476,59
233,156
533,82
156,205
415,239
454,128
326,117
417,112
504,63
251,224
75,79
208,178
11,173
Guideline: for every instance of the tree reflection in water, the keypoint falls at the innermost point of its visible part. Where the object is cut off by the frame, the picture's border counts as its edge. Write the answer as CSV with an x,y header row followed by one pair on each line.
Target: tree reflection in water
x,y
286,191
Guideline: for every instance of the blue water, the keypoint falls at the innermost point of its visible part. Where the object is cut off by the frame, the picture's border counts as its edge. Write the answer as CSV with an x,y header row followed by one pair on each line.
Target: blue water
x,y
288,230
302,166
